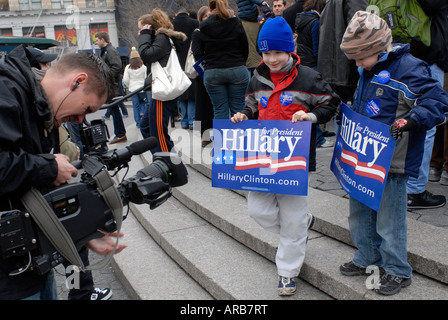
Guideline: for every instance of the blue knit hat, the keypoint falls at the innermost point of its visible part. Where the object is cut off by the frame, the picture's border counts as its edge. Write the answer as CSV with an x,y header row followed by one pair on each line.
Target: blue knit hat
x,y
276,34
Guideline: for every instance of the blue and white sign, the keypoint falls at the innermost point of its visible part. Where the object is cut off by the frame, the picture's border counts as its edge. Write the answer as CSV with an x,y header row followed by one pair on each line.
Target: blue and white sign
x,y
260,155
362,157
199,66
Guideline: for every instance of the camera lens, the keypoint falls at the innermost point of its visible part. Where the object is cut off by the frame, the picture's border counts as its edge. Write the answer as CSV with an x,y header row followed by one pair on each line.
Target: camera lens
x,y
157,169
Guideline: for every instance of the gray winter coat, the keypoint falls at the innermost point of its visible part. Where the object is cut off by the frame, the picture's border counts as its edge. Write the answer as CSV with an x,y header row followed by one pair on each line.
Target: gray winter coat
x,y
334,66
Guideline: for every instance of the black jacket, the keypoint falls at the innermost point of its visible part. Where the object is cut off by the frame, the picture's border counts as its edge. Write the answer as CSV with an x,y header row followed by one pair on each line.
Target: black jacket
x,y
334,66
112,58
307,38
223,42
184,23
290,13
27,140
155,45
437,53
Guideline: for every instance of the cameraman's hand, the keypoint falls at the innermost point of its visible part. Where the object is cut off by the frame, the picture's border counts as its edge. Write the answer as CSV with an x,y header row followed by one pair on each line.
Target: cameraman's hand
x,y
65,169
238,117
106,244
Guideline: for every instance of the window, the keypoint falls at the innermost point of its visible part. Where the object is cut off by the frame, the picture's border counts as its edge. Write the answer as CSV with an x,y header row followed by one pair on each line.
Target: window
x,y
24,5
95,28
30,5
6,32
67,37
36,4
4,5
96,3
60,4
56,4
38,32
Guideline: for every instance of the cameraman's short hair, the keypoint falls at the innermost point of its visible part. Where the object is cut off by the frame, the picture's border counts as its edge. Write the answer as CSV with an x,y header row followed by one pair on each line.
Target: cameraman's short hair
x,y
103,35
100,78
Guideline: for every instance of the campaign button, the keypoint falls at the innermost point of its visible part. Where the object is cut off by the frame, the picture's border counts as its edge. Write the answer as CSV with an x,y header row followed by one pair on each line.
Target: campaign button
x,y
264,102
383,77
286,98
373,107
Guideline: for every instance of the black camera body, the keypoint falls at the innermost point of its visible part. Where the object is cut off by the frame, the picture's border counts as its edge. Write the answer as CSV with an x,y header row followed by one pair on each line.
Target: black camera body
x,y
80,207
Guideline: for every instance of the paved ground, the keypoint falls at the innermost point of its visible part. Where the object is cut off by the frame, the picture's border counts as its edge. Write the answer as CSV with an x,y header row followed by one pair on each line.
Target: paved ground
x,y
322,179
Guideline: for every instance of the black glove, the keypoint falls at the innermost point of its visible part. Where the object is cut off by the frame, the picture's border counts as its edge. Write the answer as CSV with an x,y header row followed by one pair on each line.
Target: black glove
x,y
400,125
338,115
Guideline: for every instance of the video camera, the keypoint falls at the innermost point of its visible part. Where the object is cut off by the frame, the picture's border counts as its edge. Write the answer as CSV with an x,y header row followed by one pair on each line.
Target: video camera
x,y
81,208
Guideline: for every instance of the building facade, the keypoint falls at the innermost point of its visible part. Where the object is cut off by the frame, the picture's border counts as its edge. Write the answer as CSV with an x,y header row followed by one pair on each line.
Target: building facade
x,y
74,23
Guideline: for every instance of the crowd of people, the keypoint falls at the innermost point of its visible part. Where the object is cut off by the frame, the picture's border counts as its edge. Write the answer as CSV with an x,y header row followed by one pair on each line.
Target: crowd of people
x,y
318,52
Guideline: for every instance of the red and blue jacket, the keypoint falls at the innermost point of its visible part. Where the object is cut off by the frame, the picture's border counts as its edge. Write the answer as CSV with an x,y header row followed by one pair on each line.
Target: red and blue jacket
x,y
302,88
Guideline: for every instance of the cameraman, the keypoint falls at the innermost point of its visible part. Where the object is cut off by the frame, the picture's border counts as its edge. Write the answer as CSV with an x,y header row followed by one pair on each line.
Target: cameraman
x,y
31,113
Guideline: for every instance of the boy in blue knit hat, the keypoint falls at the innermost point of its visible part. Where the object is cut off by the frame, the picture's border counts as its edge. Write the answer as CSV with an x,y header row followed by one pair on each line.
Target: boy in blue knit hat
x,y
283,89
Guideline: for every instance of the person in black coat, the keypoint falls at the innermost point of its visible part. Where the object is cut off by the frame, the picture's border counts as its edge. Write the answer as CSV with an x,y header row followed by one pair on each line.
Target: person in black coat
x,y
290,13
204,106
156,31
183,23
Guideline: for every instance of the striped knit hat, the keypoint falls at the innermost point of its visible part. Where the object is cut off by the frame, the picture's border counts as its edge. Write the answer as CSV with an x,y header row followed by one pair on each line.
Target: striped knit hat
x,y
366,35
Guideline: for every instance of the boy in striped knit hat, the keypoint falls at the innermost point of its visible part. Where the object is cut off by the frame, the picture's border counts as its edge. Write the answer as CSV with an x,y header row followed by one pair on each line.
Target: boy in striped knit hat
x,y
394,88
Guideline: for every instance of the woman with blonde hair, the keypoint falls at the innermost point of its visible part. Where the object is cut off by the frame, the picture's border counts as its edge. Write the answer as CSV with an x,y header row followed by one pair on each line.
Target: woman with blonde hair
x,y
155,32
224,45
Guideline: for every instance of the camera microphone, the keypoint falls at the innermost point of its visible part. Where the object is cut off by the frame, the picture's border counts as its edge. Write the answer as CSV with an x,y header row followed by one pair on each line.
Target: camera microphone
x,y
115,158
139,147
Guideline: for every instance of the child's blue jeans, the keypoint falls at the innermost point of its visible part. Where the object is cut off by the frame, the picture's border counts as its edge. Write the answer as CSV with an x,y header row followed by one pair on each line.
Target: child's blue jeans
x,y
381,237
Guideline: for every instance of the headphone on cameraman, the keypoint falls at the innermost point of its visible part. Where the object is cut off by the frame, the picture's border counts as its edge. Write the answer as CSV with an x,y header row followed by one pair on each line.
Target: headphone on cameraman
x,y
76,85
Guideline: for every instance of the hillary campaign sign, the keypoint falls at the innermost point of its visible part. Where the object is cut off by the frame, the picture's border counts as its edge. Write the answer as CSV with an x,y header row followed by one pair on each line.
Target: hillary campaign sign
x,y
362,157
261,155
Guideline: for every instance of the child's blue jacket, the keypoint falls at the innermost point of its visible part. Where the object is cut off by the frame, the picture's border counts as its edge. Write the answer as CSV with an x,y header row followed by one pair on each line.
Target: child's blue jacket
x,y
400,86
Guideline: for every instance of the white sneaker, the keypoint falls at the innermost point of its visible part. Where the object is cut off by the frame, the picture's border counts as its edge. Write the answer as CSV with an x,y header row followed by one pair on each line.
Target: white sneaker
x,y
286,286
311,221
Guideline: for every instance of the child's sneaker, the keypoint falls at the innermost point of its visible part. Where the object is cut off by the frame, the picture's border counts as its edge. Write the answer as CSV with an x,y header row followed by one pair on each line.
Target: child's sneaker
x,y
390,284
311,221
286,286
350,269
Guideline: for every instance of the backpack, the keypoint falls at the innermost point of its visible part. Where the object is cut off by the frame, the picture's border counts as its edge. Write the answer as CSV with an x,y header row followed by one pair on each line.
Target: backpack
x,y
406,19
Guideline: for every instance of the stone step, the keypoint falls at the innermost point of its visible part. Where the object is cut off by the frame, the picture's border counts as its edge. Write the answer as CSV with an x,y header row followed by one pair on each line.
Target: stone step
x,y
162,239
147,272
329,245
227,210
426,243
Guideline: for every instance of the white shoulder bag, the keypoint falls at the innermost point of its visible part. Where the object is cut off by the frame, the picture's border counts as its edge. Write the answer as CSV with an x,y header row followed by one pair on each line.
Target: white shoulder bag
x,y
190,71
169,82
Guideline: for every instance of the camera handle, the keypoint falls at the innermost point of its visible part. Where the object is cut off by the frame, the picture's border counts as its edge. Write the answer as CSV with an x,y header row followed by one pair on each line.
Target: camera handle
x,y
56,233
